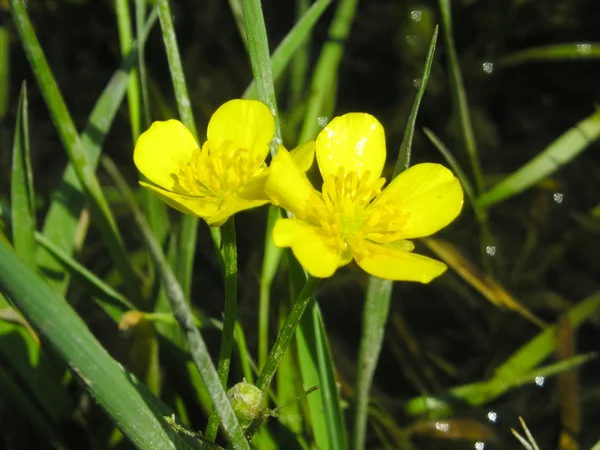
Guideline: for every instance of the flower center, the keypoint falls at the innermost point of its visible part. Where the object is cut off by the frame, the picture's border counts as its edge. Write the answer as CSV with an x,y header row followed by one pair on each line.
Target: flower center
x,y
347,197
219,172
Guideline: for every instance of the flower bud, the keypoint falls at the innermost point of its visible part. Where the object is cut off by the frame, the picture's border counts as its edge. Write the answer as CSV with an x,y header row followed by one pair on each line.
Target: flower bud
x,y
246,400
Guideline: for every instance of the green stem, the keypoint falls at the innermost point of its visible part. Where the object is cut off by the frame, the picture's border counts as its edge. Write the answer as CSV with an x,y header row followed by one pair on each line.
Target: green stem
x,y
260,59
186,244
182,312
283,342
377,306
286,333
227,337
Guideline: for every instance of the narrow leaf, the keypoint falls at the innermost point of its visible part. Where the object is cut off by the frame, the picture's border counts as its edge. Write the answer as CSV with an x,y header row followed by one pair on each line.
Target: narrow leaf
x,y
102,376
22,193
557,52
291,43
459,96
564,149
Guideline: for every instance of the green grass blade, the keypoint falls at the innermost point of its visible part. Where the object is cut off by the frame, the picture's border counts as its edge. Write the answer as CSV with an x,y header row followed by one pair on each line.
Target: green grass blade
x,y
133,88
186,243
11,390
324,82
68,134
453,163
403,160
459,97
20,349
229,317
375,315
97,285
379,292
22,193
62,218
518,367
102,376
557,52
568,146
183,314
313,328
484,392
4,71
300,63
292,43
271,260
260,60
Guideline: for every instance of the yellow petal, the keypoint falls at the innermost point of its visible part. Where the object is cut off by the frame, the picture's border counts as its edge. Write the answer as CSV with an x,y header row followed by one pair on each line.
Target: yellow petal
x,y
429,196
194,206
398,265
288,187
160,150
354,142
229,208
317,252
304,155
246,124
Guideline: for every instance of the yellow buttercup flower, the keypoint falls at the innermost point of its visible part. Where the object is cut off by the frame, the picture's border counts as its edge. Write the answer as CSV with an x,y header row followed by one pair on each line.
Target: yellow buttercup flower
x,y
353,218
226,175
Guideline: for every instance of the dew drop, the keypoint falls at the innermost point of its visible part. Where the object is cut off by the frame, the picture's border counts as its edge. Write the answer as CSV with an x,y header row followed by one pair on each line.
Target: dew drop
x,y
490,250
411,40
416,15
442,426
479,445
492,416
558,197
322,121
488,67
584,49
540,381
417,82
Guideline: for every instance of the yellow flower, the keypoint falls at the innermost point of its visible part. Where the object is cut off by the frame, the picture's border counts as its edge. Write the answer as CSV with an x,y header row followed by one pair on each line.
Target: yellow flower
x,y
353,218
226,175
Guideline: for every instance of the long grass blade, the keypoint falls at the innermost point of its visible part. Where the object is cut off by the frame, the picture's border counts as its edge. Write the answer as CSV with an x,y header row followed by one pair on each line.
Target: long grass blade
x,y
403,160
186,242
459,96
379,292
324,82
181,310
124,26
107,381
22,193
68,134
292,43
563,150
557,52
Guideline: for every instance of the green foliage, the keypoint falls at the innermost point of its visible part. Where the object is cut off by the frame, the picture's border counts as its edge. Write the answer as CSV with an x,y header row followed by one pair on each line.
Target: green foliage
x,y
123,323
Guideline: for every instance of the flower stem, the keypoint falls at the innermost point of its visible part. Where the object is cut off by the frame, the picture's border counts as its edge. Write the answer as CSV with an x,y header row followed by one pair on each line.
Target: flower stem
x,y
287,331
283,342
229,254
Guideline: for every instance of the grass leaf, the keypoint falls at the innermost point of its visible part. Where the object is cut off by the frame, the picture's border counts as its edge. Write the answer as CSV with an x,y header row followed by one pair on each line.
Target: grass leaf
x,y
291,43
22,199
379,292
323,88
459,96
556,52
111,386
564,149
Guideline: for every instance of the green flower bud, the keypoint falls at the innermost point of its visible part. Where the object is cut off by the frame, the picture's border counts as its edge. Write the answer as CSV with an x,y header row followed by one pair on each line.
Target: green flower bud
x,y
246,400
